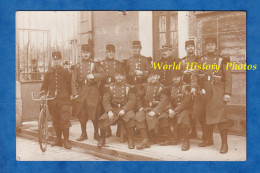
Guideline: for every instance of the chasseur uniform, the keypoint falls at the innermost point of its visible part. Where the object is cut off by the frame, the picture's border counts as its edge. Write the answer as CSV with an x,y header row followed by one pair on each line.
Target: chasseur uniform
x,y
150,99
118,97
87,105
217,86
57,79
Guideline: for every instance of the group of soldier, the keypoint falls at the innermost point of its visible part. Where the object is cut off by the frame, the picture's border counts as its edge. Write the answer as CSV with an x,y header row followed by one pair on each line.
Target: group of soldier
x,y
140,99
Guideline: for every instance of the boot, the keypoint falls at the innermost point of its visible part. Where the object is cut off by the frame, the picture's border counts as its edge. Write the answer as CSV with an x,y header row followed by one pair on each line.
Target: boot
x,y
131,144
83,135
186,142
96,134
66,138
58,141
102,139
224,145
118,131
170,140
193,133
152,137
209,137
108,132
145,143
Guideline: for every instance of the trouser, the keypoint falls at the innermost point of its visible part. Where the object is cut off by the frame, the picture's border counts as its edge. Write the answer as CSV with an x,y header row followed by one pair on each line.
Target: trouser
x,y
60,116
223,126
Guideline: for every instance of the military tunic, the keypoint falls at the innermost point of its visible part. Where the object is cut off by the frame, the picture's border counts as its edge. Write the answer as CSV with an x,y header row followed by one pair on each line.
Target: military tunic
x,y
167,75
181,103
118,97
137,63
216,84
150,98
58,80
87,105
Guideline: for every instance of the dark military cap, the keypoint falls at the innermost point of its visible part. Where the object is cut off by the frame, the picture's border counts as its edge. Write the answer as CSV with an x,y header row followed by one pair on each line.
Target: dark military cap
x,y
167,46
86,47
66,62
189,42
137,43
56,55
110,47
120,70
211,40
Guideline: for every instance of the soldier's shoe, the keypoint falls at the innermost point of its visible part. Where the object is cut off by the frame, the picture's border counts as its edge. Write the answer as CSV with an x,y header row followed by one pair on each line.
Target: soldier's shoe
x,y
57,142
82,137
193,135
108,133
131,144
96,136
145,144
66,144
206,143
101,143
224,149
185,146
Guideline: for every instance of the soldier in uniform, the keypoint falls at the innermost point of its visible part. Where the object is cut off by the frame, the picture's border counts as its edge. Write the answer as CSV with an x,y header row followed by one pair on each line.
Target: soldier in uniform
x,y
119,102
85,91
57,80
217,87
137,67
180,109
109,64
167,58
187,73
151,103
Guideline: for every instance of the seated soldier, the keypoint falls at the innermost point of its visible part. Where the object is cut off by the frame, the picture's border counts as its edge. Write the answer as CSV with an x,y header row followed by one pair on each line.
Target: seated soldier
x,y
119,102
180,109
151,103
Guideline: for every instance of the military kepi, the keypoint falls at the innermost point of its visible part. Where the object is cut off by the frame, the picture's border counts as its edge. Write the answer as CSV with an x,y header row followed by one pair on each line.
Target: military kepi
x,y
56,55
211,40
189,42
111,47
136,43
86,47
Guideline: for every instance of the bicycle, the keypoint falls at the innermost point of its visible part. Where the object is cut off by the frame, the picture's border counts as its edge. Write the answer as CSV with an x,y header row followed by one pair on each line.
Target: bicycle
x,y
43,120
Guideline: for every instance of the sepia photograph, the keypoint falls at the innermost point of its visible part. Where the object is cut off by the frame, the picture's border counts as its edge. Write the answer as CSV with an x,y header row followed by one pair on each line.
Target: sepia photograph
x,y
131,85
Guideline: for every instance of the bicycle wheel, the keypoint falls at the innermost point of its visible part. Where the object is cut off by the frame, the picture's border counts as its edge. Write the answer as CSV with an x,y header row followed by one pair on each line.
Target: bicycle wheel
x,y
43,130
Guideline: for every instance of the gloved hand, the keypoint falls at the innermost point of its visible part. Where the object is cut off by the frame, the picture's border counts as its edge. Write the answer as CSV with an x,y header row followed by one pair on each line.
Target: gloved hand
x,y
193,91
226,98
75,96
171,113
121,113
151,114
110,115
203,91
90,76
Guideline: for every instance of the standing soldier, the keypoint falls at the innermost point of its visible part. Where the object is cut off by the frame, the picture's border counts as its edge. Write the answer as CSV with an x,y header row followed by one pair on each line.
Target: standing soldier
x,y
166,75
190,59
217,87
57,80
119,102
151,103
181,109
85,91
137,67
109,64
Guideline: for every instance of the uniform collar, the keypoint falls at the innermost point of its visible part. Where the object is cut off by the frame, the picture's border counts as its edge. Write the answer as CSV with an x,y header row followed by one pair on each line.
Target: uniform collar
x,y
53,69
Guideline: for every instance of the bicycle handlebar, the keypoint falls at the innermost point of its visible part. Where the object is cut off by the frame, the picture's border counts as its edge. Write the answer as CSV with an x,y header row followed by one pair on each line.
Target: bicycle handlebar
x,y
44,97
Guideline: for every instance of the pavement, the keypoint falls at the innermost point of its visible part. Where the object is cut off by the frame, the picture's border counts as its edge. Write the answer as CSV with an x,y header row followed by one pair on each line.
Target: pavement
x,y
119,151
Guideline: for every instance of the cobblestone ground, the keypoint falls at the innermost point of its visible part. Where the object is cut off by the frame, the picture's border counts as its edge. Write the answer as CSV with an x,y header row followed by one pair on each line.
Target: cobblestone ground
x,y
29,150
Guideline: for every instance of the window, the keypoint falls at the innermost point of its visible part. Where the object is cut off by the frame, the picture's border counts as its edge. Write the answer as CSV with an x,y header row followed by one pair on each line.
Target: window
x,y
165,31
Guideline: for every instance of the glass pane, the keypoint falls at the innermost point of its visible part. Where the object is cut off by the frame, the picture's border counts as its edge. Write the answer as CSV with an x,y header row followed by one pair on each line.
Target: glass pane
x,y
174,39
173,23
162,24
162,39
